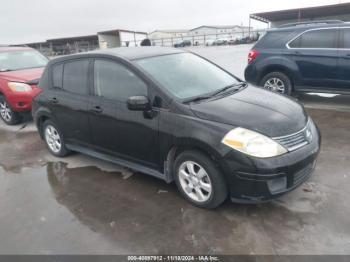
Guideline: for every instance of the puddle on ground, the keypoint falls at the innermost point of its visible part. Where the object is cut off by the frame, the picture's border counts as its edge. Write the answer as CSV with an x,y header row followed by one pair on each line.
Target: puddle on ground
x,y
141,214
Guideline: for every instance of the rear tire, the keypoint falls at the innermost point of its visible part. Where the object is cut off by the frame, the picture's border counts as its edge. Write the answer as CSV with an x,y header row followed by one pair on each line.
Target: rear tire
x,y
277,82
54,139
7,114
199,180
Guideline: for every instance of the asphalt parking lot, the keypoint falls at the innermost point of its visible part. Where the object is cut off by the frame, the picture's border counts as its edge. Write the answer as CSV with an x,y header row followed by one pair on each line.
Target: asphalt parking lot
x,y
80,205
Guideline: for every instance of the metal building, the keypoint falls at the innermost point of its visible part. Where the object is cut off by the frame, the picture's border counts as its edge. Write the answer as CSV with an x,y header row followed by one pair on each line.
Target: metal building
x,y
77,44
326,12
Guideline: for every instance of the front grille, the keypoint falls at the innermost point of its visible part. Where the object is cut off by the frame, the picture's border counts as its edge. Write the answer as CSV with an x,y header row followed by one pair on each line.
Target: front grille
x,y
301,175
297,140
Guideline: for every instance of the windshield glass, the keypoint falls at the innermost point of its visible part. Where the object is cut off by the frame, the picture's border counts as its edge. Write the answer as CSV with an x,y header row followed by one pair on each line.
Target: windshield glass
x,y
186,75
11,61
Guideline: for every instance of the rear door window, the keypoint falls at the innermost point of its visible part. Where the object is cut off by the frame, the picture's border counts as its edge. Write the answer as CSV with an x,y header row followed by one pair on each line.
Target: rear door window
x,y
322,38
76,76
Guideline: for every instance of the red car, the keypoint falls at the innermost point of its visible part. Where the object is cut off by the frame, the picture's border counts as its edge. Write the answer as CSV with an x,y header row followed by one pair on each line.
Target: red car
x,y
20,70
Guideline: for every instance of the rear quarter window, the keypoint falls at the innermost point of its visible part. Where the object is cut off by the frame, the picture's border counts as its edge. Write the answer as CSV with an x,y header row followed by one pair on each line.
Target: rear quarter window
x,y
57,76
276,39
44,80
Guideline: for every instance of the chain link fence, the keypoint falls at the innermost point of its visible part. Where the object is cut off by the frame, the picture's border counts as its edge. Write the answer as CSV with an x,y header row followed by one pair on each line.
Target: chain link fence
x,y
236,38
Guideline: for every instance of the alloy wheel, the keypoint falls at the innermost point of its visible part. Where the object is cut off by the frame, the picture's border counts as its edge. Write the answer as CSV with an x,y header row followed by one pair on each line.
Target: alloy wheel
x,y
195,181
53,139
5,111
275,85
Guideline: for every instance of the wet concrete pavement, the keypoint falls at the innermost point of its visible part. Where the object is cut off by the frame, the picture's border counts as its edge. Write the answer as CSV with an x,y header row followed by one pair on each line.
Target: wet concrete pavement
x,y
80,205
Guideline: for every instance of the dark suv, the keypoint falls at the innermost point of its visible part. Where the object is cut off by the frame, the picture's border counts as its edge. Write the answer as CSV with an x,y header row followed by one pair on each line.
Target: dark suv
x,y
178,117
303,57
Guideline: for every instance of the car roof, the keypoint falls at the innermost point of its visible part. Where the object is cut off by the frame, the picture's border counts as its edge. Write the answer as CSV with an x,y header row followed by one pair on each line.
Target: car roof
x,y
303,27
126,53
132,53
4,49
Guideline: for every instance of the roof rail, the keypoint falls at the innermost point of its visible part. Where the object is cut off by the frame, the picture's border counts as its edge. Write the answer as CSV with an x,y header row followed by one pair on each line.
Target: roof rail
x,y
312,23
1,45
23,45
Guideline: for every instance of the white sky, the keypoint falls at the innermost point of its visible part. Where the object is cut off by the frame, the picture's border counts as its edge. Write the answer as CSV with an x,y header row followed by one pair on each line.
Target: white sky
x,y
26,21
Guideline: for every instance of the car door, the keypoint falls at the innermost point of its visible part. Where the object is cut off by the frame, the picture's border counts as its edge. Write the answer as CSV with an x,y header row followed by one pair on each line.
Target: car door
x,y
344,59
115,129
315,53
69,99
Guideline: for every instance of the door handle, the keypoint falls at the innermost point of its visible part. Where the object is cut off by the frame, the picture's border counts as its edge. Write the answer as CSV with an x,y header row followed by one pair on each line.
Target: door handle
x,y
54,100
97,110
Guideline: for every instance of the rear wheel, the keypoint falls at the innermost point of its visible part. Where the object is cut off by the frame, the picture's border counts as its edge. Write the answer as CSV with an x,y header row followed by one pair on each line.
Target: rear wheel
x,y
277,82
7,114
54,139
199,180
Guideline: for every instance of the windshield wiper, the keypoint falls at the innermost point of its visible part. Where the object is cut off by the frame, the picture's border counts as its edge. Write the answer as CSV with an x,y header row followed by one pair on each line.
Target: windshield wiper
x,y
222,90
236,86
198,98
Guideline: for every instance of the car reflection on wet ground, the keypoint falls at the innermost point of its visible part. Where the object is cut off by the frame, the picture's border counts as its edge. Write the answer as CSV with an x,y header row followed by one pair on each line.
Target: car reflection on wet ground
x,y
81,205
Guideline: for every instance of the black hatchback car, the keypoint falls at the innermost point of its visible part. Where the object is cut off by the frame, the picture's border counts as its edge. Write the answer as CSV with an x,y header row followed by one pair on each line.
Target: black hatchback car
x,y
178,117
302,57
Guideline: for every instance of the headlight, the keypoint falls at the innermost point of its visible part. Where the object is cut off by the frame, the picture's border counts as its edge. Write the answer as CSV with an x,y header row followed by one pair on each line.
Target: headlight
x,y
19,87
253,143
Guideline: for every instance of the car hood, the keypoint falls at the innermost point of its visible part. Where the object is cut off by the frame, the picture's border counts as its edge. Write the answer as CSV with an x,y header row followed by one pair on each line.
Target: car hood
x,y
256,109
24,75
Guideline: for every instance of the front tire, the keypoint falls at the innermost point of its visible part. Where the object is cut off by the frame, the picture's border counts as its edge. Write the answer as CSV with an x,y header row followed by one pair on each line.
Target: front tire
x,y
7,114
54,139
277,82
199,180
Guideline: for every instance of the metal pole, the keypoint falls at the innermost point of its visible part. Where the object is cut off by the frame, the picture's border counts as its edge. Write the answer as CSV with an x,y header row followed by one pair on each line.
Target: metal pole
x,y
250,20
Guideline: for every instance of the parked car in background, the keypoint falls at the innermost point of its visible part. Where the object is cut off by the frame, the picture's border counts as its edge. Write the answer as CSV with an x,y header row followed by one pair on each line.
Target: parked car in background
x,y
302,57
232,42
221,41
20,70
183,43
209,42
178,117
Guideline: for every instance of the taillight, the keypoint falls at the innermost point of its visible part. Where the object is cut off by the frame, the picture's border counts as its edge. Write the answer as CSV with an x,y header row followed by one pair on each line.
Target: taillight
x,y
252,56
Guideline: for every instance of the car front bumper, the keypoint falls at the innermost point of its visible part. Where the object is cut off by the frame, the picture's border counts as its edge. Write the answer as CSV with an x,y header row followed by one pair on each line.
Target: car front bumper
x,y
253,180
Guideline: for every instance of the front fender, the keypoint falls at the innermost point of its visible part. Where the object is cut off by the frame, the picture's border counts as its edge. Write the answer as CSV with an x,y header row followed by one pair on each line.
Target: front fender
x,y
190,133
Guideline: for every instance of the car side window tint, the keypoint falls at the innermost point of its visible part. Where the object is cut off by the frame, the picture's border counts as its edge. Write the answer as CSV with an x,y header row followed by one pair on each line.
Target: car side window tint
x,y
326,38
346,38
76,76
114,81
57,76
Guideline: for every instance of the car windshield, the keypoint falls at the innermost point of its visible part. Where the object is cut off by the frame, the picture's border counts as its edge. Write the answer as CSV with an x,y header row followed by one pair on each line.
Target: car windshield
x,y
186,75
17,60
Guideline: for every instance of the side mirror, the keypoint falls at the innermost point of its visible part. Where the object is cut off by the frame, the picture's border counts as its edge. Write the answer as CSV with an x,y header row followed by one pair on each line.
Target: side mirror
x,y
138,103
